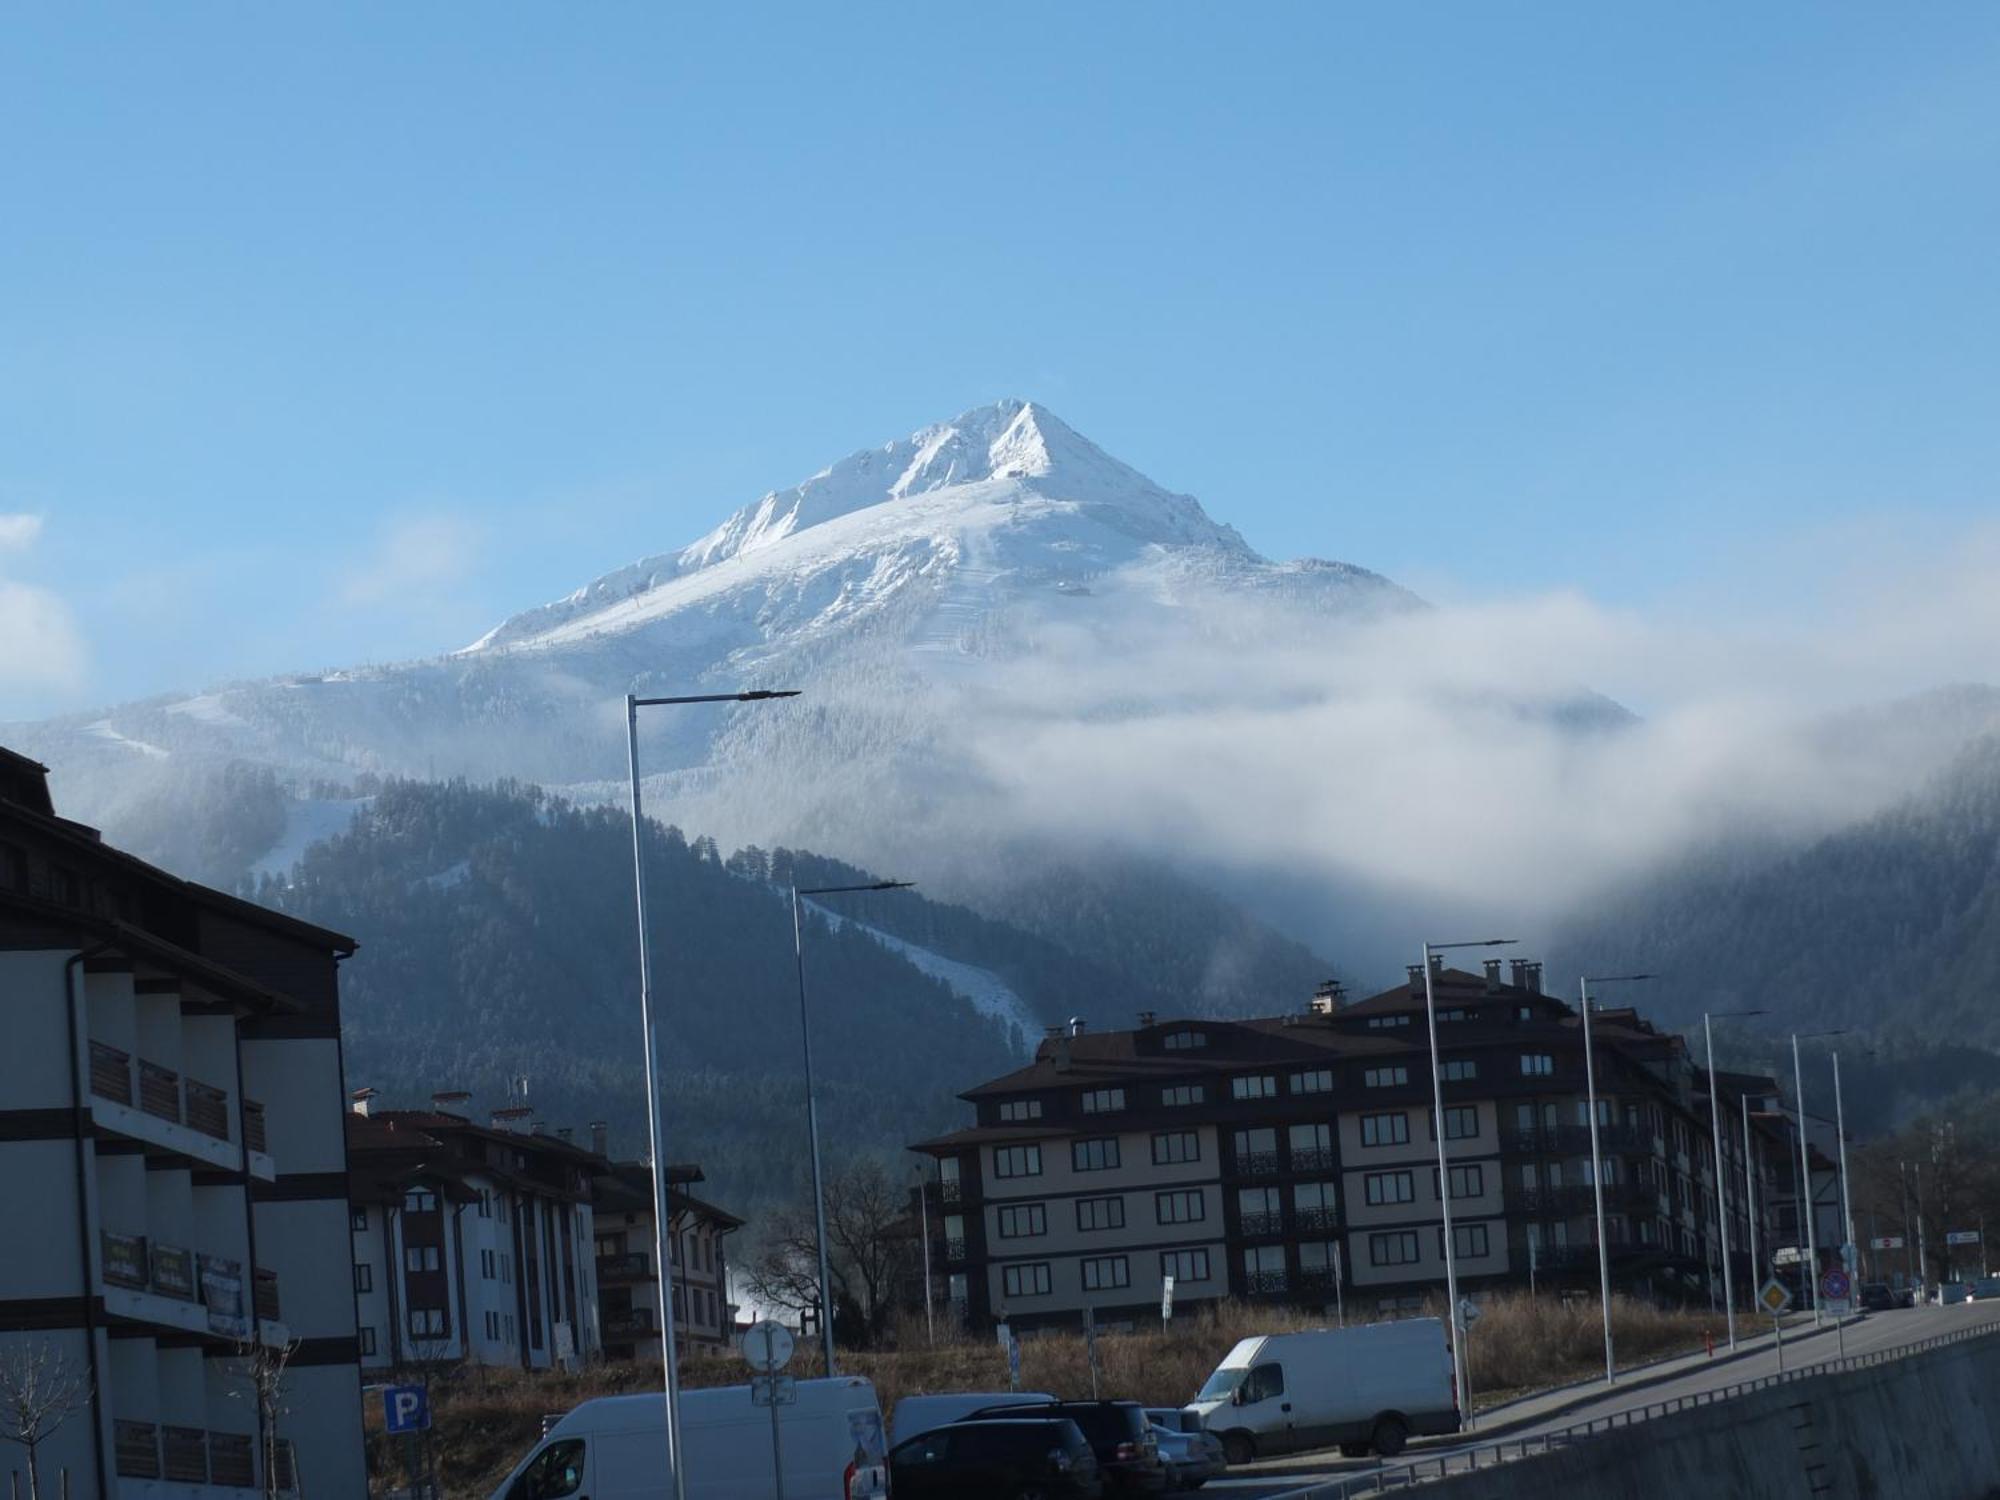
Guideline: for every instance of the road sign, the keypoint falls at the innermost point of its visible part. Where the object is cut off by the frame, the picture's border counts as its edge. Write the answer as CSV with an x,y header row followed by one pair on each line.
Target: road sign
x,y
1962,1237
767,1345
1468,1312
1773,1297
1834,1285
773,1390
405,1408
1886,1242
1166,1298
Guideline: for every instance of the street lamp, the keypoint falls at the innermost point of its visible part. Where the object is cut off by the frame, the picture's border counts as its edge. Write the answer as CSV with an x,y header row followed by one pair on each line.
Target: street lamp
x,y
1458,1358
812,1108
924,1231
1805,1167
655,1135
1597,1162
1849,1254
1715,1125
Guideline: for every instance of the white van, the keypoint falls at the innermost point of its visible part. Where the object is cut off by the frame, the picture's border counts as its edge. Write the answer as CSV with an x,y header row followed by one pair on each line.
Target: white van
x,y
615,1447
1371,1387
916,1415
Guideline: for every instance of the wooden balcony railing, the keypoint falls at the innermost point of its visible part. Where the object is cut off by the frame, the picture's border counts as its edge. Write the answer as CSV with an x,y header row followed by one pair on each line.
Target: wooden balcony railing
x,y
126,1261
159,1091
173,1272
184,1452
264,1295
229,1460
207,1109
110,1073
285,1467
136,1449
253,1126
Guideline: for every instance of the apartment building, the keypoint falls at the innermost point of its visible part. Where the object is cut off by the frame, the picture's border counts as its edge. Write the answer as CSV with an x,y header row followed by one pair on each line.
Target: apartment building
x,y
704,1317
1295,1158
471,1243
171,1133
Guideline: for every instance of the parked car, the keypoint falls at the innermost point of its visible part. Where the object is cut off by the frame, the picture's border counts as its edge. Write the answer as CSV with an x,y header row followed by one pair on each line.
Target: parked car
x,y
1986,1288
1876,1296
1128,1455
1192,1458
1004,1458
1175,1418
1370,1387
1906,1296
915,1415
615,1447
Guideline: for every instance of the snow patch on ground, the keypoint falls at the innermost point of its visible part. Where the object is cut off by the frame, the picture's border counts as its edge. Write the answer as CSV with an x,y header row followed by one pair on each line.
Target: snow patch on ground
x,y
208,708
307,823
986,991
103,730
446,878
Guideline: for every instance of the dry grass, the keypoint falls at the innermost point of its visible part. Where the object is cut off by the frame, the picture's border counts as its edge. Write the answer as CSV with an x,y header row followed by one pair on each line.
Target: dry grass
x,y
487,1419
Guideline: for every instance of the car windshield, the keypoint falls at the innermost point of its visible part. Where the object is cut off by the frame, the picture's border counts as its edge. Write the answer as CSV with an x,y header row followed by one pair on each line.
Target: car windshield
x,y
1221,1383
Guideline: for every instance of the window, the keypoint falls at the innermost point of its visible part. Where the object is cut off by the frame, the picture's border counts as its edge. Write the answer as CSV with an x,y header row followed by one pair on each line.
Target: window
x,y
420,1257
1531,1177
1385,1130
507,1325
1179,1095
1105,1273
1386,1023
357,1219
1023,1221
1461,1122
1100,1213
420,1201
1385,1078
1459,1069
1184,1041
1467,1241
1390,1187
492,1326
1263,1383
1605,1113
1306,1139
1537,1064
1026,1281
1184,1265
1096,1155
556,1473
1314,1198
1103,1101
1184,1207
488,1266
1264,1267
1255,1086
1319,1081
1259,1203
1017,1161
1395,1249
1555,1174
1015,1110
1171,1147
364,1278
366,1338
1466,1182
426,1321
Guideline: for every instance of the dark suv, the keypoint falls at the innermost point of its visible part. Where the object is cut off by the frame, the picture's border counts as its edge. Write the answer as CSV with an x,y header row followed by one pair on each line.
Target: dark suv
x,y
996,1460
1128,1455
1876,1296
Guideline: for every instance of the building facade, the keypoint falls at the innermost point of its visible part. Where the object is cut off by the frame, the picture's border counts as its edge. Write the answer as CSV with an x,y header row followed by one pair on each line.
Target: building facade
x,y
704,1317
1295,1158
471,1243
171,1107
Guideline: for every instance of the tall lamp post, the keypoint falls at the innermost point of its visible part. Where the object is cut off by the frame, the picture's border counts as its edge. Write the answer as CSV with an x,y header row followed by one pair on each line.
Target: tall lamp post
x,y
1848,1254
924,1231
1805,1169
1597,1160
812,1108
1458,1351
1715,1126
655,1135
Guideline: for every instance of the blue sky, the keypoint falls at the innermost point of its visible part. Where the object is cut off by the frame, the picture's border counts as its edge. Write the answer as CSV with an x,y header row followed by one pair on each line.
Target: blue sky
x,y
335,334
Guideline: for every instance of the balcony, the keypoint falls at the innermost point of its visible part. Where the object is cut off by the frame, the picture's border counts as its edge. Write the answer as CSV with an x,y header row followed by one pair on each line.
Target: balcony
x,y
147,1102
1310,1220
110,1073
253,1128
136,1450
616,1270
954,1250
631,1322
184,1455
264,1295
174,1287
1252,1224
1316,1281
230,1461
1264,1283
1257,1164
951,1190
1312,1159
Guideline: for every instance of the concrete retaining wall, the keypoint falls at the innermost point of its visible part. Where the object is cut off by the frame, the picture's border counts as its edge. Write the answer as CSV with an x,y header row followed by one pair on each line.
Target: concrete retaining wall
x,y
1926,1426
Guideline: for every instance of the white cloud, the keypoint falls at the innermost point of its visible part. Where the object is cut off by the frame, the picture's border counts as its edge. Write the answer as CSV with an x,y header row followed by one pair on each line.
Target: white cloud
x,y
40,645
18,531
416,559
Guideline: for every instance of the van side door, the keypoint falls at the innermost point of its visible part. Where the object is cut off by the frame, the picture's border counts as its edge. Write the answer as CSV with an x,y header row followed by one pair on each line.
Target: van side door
x,y
1267,1408
555,1473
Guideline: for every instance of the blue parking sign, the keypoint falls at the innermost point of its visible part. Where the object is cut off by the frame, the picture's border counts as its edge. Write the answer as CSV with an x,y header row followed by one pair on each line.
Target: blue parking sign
x,y
405,1408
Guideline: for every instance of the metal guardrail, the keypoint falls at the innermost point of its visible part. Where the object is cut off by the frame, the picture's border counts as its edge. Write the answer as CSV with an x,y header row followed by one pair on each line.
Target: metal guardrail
x,y
1492,1455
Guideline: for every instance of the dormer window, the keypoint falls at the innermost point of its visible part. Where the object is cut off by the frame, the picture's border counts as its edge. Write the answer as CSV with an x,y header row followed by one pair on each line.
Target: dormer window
x,y
1385,1023
1103,1101
1012,1111
1184,1041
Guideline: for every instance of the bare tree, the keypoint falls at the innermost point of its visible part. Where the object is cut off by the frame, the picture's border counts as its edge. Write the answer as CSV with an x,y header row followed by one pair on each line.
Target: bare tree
x,y
38,1393
261,1369
869,1244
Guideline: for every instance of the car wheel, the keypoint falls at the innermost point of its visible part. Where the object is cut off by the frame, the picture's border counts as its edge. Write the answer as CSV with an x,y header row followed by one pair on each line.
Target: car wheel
x,y
1239,1447
1390,1436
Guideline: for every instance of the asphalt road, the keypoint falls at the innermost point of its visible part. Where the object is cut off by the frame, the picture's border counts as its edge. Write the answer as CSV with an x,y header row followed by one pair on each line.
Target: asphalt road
x,y
1879,1331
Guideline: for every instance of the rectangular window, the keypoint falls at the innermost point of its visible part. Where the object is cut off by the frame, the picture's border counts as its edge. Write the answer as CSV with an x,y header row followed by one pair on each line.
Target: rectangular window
x,y
1171,1147
1319,1081
1314,1197
1017,1161
364,1278
1100,1213
1531,1176
1537,1064
1103,1101
1184,1041
1385,1130
420,1257
1310,1138
488,1266
1026,1281
1458,1069
357,1219
420,1201
1319,1256
1106,1273
1389,1187
1387,1023
1466,1182
1184,1207
1385,1078
1255,1086
367,1340
1184,1265
426,1322
1264,1260
1468,1241
1097,1155
1023,1221
1180,1095
1012,1111
1461,1122
1395,1249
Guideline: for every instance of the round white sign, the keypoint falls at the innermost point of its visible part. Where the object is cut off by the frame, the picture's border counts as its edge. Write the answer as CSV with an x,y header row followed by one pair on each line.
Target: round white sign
x,y
767,1345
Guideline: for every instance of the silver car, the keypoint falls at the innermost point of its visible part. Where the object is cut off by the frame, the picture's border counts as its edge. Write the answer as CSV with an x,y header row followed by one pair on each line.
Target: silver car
x,y
1193,1455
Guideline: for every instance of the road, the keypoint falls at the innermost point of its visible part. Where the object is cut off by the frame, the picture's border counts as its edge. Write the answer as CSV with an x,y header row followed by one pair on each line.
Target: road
x,y
1879,1331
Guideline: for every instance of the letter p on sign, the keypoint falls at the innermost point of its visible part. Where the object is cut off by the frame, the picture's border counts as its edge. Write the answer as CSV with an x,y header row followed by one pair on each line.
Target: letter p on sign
x,y
404,1408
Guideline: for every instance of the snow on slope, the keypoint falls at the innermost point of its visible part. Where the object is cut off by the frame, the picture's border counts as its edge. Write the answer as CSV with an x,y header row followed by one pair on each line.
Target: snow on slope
x,y
307,823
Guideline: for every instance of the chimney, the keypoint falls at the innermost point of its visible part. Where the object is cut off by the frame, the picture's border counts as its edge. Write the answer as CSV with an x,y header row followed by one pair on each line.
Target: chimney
x,y
1492,968
1146,1019
1535,976
1416,978
1062,1051
361,1100
1076,1025
1527,975
513,1118
538,1127
449,1099
1326,999
600,1138
563,1133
